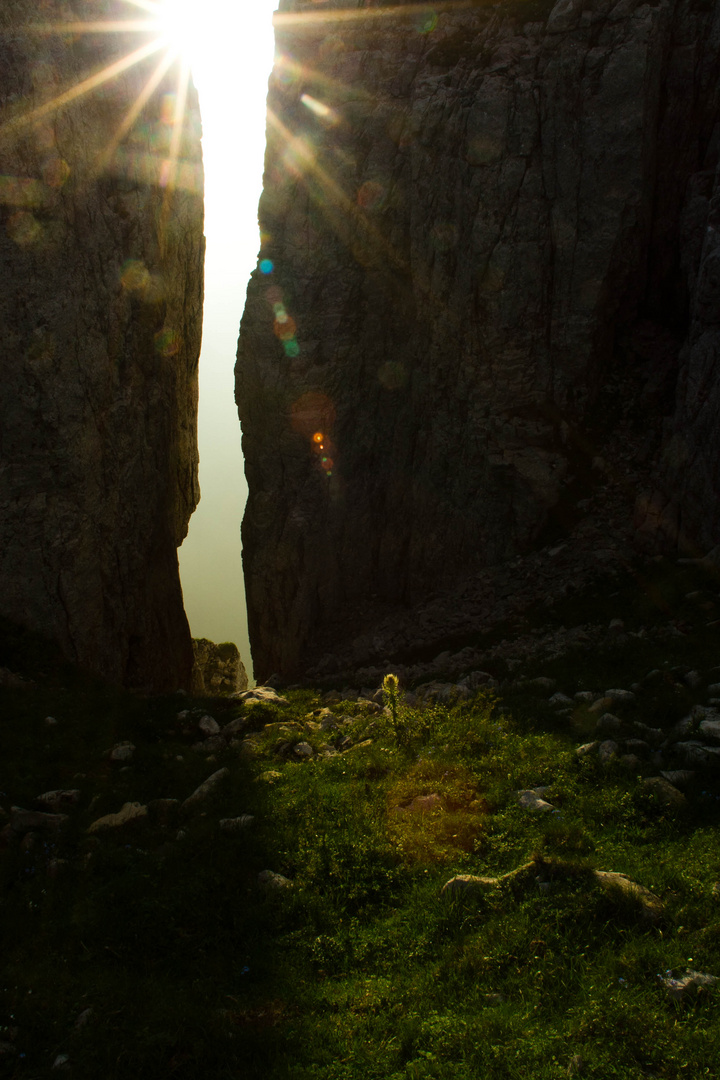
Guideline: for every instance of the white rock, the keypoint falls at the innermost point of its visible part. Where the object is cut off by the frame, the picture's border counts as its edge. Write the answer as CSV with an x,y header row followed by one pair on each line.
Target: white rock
x,y
208,725
531,800
130,812
607,751
263,694
205,789
303,750
271,880
122,751
559,699
586,748
692,980
236,824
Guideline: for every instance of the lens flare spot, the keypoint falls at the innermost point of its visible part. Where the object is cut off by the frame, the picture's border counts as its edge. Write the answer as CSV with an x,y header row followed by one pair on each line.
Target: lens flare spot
x,y
318,437
167,342
280,313
285,329
291,348
286,70
167,108
55,172
266,266
24,229
20,191
371,195
318,108
134,276
427,22
274,295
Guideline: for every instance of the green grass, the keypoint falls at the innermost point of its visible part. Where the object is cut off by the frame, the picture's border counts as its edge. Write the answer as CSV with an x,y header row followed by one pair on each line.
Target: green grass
x,y
361,968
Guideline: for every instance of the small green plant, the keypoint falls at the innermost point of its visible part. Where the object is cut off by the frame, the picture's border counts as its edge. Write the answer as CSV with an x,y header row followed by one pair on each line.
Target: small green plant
x,y
391,690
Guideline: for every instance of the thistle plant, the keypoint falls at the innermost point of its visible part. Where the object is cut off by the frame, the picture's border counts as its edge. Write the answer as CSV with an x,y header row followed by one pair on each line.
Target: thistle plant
x,y
391,690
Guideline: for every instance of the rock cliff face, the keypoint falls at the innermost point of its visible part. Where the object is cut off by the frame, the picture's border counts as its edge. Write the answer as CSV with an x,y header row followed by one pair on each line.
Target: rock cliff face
x,y
474,221
101,259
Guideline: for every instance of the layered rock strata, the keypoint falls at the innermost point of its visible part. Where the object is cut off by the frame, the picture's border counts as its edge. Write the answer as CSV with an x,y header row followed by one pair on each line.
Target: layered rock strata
x,y
101,262
472,224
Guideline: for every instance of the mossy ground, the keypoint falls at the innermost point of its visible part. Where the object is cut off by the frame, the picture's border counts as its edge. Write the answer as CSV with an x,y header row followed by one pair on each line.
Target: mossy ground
x,y
362,968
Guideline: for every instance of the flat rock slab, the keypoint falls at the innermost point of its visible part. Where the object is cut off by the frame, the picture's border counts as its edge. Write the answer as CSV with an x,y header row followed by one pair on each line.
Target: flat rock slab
x,y
692,980
270,880
22,821
358,746
260,694
532,799
664,791
587,748
679,777
59,800
612,882
129,814
236,824
696,754
468,883
207,786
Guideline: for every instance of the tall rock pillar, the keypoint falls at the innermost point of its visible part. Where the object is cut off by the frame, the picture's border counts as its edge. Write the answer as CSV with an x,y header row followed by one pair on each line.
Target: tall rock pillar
x,y
465,209
101,265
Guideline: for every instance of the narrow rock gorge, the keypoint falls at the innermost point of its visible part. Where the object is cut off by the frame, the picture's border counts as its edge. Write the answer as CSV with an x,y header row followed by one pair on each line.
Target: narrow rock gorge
x,y
101,257
488,298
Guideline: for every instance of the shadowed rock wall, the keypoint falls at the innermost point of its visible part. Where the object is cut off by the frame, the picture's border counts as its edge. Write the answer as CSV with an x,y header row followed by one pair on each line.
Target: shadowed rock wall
x,y
101,266
465,211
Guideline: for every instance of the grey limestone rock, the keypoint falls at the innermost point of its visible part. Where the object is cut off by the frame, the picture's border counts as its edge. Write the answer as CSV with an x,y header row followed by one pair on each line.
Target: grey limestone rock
x,y
204,790
101,263
217,669
462,219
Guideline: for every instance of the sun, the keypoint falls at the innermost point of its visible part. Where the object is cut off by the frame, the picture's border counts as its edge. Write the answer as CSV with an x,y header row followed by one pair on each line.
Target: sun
x,y
180,28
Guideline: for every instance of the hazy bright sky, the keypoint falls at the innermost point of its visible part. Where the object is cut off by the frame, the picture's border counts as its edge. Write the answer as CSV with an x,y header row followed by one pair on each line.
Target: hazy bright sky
x,y
231,51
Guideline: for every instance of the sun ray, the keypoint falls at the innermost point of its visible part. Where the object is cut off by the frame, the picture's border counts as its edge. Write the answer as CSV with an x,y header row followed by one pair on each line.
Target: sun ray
x,y
343,15
138,105
334,193
312,75
116,26
146,5
81,88
168,175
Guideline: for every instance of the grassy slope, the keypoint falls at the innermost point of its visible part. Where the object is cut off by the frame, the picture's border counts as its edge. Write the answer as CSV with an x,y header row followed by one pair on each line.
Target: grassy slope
x,y
361,969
